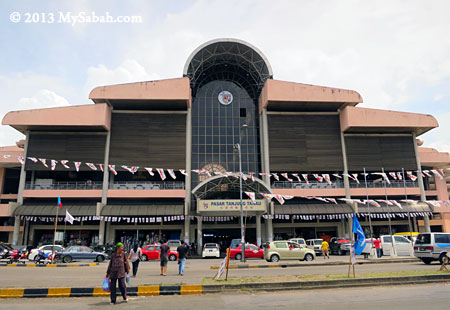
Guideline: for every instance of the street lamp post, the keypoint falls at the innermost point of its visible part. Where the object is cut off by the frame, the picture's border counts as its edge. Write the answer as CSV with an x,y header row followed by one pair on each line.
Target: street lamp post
x,y
238,147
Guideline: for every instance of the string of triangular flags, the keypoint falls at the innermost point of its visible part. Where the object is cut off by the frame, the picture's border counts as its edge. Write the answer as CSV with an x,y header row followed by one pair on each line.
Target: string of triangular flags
x,y
313,217
118,219
373,202
291,177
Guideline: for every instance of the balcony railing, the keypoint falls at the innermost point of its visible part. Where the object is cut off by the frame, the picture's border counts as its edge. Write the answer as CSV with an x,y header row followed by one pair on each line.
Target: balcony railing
x,y
340,184
146,185
64,185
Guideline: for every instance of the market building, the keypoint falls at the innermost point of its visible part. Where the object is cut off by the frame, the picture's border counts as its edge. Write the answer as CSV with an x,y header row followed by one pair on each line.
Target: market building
x,y
159,159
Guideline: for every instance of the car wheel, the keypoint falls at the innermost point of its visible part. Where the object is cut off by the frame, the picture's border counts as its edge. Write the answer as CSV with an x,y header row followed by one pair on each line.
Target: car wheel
x,y
238,256
144,258
443,258
67,259
308,257
100,259
426,260
274,258
172,257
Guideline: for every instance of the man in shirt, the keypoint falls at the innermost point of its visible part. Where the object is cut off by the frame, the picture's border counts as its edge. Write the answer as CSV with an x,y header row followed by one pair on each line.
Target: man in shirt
x,y
164,250
182,255
325,249
377,245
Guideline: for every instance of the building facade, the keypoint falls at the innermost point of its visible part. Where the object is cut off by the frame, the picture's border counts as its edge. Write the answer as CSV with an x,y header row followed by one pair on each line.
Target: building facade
x,y
162,159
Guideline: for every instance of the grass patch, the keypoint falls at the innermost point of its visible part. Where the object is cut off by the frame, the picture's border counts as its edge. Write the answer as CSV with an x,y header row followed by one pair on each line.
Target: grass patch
x,y
319,277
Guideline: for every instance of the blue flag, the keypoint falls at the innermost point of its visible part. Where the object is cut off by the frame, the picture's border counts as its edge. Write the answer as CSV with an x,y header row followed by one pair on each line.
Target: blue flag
x,y
360,243
59,202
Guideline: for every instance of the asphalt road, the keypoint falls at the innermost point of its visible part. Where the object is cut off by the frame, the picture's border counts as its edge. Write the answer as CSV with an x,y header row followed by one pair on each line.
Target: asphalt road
x,y
412,297
196,270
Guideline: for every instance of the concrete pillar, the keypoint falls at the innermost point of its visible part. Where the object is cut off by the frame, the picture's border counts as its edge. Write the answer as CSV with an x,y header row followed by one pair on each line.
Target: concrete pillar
x,y
199,236
188,180
16,231
258,229
186,230
269,230
265,154
108,237
25,233
101,233
106,170
23,175
423,197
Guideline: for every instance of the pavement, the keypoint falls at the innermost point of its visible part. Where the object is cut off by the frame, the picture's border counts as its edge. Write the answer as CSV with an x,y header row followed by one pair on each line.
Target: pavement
x,y
65,282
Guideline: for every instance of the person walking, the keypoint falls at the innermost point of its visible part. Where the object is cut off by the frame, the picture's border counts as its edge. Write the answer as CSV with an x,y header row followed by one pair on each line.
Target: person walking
x,y
164,250
118,268
377,245
135,257
183,251
325,251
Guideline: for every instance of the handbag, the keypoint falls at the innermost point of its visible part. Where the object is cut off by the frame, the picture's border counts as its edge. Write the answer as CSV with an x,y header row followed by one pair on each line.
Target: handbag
x,y
106,285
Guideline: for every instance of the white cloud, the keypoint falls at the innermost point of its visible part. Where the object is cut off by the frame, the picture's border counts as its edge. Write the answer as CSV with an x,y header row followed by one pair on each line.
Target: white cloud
x,y
439,138
42,99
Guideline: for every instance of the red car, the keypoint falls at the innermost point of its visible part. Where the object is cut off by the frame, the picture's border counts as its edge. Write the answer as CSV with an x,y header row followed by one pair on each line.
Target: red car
x,y
251,251
152,252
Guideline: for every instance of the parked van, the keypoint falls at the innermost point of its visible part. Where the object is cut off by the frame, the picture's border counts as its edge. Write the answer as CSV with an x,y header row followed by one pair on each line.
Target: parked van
x,y
300,241
315,244
432,246
403,246
412,236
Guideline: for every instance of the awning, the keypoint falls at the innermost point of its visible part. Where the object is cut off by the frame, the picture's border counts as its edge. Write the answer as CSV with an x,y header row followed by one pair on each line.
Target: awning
x,y
142,210
344,208
50,210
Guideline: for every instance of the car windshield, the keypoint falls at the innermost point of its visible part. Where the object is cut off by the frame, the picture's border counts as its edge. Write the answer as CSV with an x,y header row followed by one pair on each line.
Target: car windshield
x,y
423,239
318,242
210,245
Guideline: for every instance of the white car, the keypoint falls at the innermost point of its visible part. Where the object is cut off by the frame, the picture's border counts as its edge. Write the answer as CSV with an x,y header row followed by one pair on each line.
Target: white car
x,y
315,244
46,248
300,241
211,250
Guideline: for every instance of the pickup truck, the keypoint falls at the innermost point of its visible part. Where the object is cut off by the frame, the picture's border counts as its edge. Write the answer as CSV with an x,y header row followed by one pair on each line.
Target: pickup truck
x,y
339,246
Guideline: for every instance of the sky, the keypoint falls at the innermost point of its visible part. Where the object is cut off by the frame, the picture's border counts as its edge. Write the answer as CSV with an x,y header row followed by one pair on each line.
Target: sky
x,y
396,54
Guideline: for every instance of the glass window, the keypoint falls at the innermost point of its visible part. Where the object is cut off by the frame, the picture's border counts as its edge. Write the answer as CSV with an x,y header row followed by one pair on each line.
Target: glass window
x,y
387,239
442,238
281,245
400,239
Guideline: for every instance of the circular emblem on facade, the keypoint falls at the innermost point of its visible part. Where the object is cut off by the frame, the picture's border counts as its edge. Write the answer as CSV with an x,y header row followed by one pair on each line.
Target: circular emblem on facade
x,y
225,97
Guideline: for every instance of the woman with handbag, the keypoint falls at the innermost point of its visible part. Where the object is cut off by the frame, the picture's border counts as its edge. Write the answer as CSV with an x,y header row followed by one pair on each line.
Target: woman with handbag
x,y
118,268
135,256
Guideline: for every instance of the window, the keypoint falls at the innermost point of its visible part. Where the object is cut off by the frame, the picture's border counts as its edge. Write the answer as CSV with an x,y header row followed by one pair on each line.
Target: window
x,y
387,239
442,238
400,239
423,239
281,245
253,247
243,112
294,245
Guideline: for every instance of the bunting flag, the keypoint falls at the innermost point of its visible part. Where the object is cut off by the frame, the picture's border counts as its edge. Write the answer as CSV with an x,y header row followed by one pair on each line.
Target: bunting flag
x,y
436,173
64,163
347,200
337,175
263,173
327,178
183,172
298,178
393,175
149,170
267,196
384,175
161,173
332,200
244,177
355,177
305,177
197,171
53,164
320,199
386,202
318,177
33,159
427,173
434,203
69,218
373,203
349,176
396,204
171,173
409,201
279,198
92,166
285,175
77,165
252,196
275,176
287,197
252,177
44,162
399,176
21,159
218,173
101,167
411,175
112,168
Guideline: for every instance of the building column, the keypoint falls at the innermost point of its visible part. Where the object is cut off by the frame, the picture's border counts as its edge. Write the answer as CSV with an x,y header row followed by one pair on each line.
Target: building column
x,y
426,219
23,174
265,147
25,232
187,178
101,233
346,183
16,231
199,236
269,230
258,229
105,187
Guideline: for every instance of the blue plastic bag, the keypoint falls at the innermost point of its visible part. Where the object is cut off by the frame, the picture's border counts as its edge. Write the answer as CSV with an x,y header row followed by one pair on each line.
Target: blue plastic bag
x,y
106,285
128,278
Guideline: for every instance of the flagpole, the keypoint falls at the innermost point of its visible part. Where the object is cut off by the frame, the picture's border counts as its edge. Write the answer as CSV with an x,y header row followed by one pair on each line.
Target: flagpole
x,y
389,212
368,207
64,236
54,235
406,197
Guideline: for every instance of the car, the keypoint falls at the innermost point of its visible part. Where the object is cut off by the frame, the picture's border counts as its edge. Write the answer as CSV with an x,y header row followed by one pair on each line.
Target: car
x,y
315,244
77,253
432,246
235,243
281,250
402,245
251,251
211,250
46,249
300,241
412,236
174,244
151,252
339,246
5,250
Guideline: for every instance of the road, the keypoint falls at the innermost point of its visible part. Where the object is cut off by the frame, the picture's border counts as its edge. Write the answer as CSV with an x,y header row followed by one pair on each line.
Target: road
x,y
196,270
412,297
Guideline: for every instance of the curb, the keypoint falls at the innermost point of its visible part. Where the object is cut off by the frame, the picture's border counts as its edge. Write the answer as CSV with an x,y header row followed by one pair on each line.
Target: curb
x,y
160,290
49,265
247,266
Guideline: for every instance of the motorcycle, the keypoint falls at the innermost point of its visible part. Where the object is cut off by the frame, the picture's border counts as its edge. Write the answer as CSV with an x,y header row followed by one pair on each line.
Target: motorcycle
x,y
42,257
17,256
